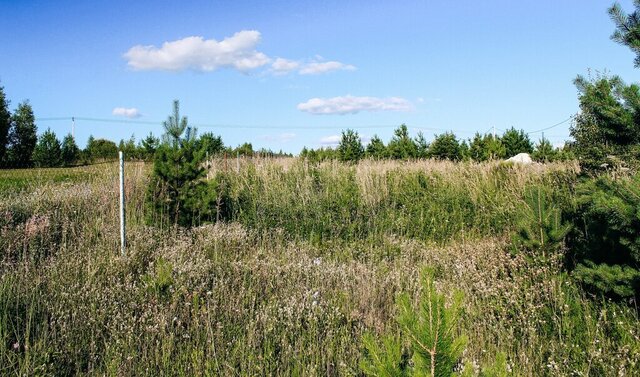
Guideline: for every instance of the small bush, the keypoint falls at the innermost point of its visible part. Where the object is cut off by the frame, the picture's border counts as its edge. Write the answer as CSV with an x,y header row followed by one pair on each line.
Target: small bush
x,y
430,331
605,247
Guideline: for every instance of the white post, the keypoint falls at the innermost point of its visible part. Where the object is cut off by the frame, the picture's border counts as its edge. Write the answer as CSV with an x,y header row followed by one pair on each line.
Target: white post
x,y
122,218
73,127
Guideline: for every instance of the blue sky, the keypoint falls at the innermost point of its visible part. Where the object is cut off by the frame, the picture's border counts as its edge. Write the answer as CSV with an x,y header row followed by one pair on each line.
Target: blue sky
x,y
285,74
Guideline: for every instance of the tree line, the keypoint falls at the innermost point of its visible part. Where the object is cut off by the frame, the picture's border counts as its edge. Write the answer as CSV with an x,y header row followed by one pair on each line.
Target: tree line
x,y
445,146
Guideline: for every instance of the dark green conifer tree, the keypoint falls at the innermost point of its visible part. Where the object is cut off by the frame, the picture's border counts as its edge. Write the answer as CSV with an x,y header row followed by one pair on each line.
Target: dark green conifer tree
x,y
22,137
70,152
47,153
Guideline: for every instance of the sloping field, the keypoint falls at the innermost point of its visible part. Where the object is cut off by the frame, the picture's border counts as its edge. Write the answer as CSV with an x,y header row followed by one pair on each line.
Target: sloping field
x,y
303,260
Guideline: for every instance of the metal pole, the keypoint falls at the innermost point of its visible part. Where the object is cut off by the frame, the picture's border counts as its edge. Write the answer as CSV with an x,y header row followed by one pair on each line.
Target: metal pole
x,y
122,218
73,127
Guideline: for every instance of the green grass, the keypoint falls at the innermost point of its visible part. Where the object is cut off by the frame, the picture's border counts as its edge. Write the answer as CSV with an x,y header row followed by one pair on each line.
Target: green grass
x,y
306,261
26,180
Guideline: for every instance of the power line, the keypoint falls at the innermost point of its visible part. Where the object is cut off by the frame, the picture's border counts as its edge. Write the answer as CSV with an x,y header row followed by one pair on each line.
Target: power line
x,y
235,126
550,127
272,127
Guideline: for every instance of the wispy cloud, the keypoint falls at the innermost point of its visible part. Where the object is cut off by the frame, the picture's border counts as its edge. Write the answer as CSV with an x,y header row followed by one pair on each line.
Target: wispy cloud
x,y
316,68
283,66
353,105
330,140
333,140
130,112
199,54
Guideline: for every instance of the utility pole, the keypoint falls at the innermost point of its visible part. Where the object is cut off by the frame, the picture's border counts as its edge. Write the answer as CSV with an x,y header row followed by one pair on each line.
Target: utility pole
x,y
494,132
122,214
73,127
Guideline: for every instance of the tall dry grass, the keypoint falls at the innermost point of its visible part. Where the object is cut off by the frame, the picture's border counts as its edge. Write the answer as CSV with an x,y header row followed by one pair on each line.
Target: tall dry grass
x,y
256,296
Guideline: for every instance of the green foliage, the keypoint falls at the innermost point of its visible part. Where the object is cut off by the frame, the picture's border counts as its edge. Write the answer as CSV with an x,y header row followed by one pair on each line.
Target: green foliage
x,y
47,152
495,148
606,243
544,151
318,155
478,150
430,329
401,145
350,147
70,152
515,142
541,228
445,147
618,281
176,185
608,125
499,367
464,151
148,146
5,125
386,359
245,149
101,150
627,28
376,148
422,146
175,126
129,148
22,137
160,280
485,148
211,144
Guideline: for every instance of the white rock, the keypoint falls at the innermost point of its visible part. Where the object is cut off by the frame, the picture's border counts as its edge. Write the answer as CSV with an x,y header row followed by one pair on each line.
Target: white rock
x,y
521,158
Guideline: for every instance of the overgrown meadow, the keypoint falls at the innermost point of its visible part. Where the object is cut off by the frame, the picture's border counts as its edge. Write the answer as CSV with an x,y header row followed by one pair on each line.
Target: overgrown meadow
x,y
298,263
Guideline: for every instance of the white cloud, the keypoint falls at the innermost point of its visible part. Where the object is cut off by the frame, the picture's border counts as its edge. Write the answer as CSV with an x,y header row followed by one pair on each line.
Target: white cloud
x,y
331,140
283,66
131,112
237,52
282,138
334,140
353,105
315,68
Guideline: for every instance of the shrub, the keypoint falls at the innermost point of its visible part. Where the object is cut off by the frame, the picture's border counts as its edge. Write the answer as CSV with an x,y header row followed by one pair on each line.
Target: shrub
x,y
101,149
47,152
445,147
430,330
69,151
605,247
515,142
401,145
430,345
350,147
176,187
541,227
